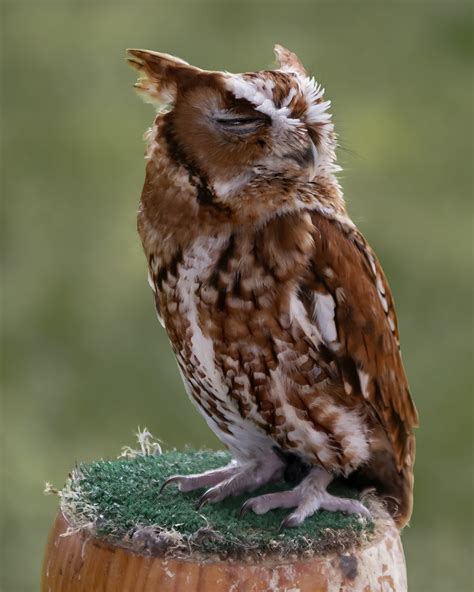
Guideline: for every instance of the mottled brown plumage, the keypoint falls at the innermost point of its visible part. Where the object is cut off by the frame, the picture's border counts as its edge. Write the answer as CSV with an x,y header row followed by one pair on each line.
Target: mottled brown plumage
x,y
278,311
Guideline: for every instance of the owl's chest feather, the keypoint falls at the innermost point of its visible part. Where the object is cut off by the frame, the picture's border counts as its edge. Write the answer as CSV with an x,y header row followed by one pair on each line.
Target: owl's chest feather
x,y
233,321
224,299
197,318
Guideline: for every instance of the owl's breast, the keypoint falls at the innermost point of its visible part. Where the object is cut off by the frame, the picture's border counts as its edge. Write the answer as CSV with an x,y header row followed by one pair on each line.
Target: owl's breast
x,y
187,300
250,356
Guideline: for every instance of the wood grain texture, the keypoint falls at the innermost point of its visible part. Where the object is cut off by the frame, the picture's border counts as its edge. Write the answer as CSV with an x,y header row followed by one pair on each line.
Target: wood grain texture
x,y
82,563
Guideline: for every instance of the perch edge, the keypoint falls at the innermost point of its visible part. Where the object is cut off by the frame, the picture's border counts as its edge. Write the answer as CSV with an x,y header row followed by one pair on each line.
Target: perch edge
x,y
81,562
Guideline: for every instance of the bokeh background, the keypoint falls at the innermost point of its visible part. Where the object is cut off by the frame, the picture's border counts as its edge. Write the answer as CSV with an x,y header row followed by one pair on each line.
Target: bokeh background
x,y
85,361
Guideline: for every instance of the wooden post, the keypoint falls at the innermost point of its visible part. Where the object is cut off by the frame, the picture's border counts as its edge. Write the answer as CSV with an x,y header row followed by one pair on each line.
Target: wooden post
x,y
80,562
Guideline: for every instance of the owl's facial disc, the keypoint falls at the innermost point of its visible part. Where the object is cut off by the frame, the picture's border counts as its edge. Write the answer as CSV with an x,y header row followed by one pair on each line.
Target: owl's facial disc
x,y
301,137
233,141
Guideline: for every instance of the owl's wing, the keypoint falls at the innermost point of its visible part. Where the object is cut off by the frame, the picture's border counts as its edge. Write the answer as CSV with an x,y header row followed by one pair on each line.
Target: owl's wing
x,y
347,294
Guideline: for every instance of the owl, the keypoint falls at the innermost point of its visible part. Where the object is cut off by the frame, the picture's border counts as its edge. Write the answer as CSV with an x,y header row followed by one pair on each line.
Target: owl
x,y
277,309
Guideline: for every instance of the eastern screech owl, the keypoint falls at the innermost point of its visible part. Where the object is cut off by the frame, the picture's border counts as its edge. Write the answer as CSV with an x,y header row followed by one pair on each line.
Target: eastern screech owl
x,y
277,309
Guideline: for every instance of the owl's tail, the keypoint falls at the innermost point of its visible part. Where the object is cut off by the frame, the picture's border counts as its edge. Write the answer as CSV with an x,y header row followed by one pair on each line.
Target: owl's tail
x,y
405,487
393,486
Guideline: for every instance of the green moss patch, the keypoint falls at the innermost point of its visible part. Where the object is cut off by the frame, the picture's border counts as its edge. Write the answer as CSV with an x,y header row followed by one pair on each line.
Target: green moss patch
x,y
119,500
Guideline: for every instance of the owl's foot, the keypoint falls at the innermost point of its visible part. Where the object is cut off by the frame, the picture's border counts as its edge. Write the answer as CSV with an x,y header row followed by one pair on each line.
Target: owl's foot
x,y
233,479
248,477
200,480
308,497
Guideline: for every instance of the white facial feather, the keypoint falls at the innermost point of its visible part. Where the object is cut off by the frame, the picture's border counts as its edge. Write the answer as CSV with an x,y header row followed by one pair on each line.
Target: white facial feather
x,y
259,92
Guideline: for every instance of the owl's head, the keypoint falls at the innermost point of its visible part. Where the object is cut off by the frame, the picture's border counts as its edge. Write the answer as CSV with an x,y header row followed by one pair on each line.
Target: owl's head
x,y
233,128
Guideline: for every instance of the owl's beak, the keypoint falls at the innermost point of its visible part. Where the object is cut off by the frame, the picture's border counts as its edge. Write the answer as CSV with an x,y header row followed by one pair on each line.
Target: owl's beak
x,y
307,159
312,160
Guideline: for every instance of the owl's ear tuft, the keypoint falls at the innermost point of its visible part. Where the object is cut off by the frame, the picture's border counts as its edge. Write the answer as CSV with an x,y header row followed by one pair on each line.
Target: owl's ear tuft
x,y
287,60
162,74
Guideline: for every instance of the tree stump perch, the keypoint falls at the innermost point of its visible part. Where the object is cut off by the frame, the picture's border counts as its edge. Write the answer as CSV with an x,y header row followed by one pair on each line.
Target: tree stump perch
x,y
113,533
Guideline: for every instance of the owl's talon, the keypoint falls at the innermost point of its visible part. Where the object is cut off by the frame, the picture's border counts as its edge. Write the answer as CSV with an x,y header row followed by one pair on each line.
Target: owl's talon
x,y
291,521
203,500
175,479
213,495
245,507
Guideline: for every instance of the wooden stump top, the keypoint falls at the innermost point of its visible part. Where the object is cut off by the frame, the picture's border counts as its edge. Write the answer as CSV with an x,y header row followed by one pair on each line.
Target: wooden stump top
x,y
80,562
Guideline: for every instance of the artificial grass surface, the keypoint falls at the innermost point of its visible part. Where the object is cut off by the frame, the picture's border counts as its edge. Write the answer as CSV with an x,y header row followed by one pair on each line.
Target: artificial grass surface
x,y
121,500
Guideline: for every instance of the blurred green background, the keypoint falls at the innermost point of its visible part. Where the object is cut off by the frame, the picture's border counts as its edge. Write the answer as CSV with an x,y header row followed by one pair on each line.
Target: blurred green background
x,y
85,361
